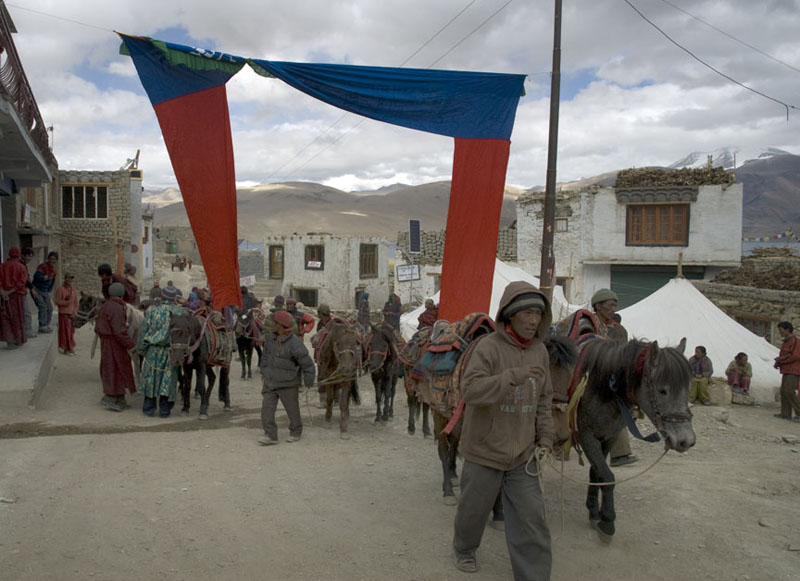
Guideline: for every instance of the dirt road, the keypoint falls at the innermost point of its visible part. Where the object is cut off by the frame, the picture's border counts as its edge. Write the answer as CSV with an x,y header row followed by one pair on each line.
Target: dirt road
x,y
92,494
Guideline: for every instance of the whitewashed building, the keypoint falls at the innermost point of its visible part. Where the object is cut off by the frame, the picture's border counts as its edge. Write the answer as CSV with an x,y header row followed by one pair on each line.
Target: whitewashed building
x,y
631,239
323,268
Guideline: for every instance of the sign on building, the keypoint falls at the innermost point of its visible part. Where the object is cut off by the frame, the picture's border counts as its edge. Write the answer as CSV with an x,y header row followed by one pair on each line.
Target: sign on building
x,y
408,272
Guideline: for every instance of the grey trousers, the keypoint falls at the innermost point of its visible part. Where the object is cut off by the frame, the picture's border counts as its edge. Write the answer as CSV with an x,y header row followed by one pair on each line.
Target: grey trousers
x,y
527,534
288,396
621,446
789,400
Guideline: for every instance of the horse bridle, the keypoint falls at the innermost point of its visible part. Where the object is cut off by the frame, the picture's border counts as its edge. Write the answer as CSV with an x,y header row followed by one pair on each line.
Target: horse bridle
x,y
87,316
659,417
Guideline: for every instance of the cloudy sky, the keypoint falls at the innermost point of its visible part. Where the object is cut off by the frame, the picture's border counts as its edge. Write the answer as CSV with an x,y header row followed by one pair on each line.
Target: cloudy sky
x,y
629,97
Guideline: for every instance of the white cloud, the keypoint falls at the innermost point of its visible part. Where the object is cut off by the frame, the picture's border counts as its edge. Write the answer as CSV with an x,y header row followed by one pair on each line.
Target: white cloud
x,y
644,101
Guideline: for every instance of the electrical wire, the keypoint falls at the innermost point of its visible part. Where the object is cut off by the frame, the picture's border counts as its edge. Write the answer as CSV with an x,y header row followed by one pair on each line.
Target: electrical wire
x,y
451,49
78,22
740,41
705,64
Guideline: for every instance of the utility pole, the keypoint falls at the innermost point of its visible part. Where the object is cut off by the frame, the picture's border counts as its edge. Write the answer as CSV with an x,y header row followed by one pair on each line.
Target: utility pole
x,y
547,272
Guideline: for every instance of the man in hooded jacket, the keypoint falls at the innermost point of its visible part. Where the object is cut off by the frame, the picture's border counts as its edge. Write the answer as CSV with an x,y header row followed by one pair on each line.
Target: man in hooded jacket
x,y
508,396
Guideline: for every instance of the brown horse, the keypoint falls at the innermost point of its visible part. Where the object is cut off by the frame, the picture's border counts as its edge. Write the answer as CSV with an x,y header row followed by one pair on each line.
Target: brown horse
x,y
339,355
437,375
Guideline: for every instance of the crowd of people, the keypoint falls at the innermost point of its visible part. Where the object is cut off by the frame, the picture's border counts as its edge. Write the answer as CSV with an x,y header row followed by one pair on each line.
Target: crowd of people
x,y
496,446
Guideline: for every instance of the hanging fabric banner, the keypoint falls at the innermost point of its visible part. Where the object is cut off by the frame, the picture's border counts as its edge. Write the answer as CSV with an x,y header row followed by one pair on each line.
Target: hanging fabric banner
x,y
189,98
477,109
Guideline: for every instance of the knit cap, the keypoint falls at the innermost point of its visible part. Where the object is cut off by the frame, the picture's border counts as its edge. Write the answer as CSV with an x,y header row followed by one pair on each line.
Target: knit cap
x,y
522,302
116,290
603,295
283,318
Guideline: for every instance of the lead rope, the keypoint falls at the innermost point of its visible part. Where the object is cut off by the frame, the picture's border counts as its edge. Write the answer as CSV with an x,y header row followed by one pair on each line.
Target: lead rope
x,y
543,457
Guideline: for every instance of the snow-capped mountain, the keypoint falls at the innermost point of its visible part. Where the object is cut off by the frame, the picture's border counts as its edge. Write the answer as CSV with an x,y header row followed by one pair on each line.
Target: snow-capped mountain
x,y
729,157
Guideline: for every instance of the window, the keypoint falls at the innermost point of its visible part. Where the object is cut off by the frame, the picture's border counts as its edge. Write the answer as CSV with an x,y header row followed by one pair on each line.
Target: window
x,y
368,261
562,225
84,202
146,237
658,225
308,296
315,257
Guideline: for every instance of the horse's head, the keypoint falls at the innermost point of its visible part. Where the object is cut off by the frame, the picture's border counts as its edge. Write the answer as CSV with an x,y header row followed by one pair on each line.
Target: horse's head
x,y
243,320
181,337
88,305
380,347
664,395
345,349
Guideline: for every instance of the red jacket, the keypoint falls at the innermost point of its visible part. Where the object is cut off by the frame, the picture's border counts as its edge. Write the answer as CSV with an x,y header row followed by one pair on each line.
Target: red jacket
x,y
788,360
14,276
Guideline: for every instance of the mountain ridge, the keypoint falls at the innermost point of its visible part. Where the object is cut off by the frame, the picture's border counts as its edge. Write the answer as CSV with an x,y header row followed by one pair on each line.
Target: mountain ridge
x,y
771,194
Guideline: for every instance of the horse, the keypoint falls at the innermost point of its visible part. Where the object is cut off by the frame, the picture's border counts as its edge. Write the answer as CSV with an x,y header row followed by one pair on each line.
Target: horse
x,y
339,361
192,347
382,362
437,374
408,356
249,336
618,376
89,305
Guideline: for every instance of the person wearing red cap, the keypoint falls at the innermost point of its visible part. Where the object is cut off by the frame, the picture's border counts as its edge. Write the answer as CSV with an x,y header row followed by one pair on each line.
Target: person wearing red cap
x,y
284,363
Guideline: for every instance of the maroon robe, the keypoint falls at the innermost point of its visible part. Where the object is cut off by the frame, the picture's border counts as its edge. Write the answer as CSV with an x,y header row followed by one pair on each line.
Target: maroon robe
x,y
428,318
115,362
13,277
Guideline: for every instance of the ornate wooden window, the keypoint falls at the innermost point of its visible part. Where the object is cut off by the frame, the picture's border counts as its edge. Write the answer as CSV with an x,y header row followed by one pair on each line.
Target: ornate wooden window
x,y
368,261
657,225
315,257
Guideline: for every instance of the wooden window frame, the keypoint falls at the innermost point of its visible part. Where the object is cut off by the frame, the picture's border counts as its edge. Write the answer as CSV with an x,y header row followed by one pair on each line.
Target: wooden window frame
x,y
657,225
561,225
368,261
97,194
314,253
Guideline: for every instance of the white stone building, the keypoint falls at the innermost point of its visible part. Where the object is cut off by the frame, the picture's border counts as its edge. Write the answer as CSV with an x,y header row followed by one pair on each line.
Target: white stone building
x,y
323,268
631,239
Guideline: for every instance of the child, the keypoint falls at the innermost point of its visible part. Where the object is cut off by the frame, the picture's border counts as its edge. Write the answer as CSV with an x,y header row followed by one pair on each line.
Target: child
x,y
67,302
739,372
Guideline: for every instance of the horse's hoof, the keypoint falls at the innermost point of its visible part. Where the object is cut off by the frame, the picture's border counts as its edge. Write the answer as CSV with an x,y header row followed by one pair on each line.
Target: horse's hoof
x,y
426,436
411,432
604,537
377,420
203,416
185,412
227,408
450,500
344,436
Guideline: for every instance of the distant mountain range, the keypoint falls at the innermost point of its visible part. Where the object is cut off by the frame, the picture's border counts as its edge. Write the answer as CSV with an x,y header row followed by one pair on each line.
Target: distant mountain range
x,y
771,179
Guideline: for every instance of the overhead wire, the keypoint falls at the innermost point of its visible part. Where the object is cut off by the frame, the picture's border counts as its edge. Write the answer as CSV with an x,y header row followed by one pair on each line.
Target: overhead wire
x,y
732,37
451,49
705,64
346,114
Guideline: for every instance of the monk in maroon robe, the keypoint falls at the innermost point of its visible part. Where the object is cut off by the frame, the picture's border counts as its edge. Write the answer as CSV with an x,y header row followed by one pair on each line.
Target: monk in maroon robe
x,y
115,362
13,289
107,278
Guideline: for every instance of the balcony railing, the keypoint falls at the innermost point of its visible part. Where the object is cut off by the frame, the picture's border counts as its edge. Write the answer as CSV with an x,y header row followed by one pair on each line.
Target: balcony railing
x,y
14,86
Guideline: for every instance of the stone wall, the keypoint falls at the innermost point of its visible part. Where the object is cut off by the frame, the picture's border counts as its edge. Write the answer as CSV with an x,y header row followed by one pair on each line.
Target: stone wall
x,y
432,246
760,310
251,262
89,242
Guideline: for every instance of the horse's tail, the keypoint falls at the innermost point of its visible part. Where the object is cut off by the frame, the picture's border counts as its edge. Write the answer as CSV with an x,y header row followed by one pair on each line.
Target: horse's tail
x,y
354,393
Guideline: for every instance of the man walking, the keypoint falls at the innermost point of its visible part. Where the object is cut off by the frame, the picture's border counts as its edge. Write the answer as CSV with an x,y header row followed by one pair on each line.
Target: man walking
x,y
284,363
508,396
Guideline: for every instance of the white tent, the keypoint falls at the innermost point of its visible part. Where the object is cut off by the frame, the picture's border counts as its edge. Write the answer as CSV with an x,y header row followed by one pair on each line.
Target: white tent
x,y
679,310
503,275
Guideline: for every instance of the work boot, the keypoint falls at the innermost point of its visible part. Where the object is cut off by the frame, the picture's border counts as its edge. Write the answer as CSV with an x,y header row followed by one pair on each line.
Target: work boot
x,y
110,404
623,460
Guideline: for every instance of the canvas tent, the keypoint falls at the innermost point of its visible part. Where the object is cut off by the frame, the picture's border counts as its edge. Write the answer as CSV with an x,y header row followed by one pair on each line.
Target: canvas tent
x,y
503,274
679,310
